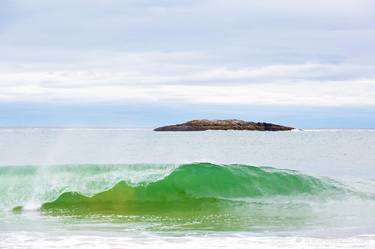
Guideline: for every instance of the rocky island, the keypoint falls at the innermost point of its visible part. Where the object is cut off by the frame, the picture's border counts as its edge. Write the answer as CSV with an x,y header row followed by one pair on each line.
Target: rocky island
x,y
229,124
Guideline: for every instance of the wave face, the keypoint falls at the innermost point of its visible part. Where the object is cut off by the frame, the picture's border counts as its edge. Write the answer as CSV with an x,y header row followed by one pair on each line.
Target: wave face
x,y
190,196
200,186
189,183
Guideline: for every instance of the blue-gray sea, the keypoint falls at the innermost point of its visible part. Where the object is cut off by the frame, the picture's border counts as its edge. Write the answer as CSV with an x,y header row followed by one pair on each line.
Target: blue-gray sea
x,y
136,188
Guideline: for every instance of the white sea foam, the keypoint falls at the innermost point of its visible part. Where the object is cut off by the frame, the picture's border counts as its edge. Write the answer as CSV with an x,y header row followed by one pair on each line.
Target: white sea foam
x,y
35,240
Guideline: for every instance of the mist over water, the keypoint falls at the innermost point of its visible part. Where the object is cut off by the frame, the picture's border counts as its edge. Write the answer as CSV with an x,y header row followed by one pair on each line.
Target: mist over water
x,y
315,186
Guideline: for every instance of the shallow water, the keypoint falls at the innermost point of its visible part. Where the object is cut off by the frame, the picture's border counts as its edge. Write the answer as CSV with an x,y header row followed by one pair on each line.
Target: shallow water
x,y
110,188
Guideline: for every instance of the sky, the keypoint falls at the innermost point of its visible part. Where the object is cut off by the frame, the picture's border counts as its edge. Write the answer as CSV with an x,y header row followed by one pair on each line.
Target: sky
x,y
125,63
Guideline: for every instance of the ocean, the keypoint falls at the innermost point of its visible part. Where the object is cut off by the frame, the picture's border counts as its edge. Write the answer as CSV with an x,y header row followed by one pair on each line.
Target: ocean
x,y
136,188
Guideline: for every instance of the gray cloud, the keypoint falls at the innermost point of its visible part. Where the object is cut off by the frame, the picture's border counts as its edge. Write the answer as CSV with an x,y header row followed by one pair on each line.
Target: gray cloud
x,y
179,50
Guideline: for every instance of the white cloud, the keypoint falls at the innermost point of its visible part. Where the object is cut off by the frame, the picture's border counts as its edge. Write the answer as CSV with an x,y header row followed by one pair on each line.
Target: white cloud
x,y
306,84
353,93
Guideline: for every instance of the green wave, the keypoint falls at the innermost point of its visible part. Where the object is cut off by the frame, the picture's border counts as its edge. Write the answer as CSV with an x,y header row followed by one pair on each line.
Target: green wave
x,y
197,186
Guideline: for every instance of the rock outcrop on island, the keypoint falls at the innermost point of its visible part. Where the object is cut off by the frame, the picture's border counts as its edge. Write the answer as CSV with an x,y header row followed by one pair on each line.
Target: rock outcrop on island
x,y
229,124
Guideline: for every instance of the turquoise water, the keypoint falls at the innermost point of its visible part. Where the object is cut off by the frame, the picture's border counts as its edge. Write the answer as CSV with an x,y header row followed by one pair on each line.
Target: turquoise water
x,y
109,188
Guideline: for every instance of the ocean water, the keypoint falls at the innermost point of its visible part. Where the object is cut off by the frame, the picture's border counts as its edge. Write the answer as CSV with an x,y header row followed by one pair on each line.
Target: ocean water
x,y
119,188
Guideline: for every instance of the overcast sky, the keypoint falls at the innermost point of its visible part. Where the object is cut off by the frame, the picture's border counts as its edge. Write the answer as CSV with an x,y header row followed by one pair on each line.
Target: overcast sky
x,y
78,62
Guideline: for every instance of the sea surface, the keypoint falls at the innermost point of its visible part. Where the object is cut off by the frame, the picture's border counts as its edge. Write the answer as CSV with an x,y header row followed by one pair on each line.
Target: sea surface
x,y
135,188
